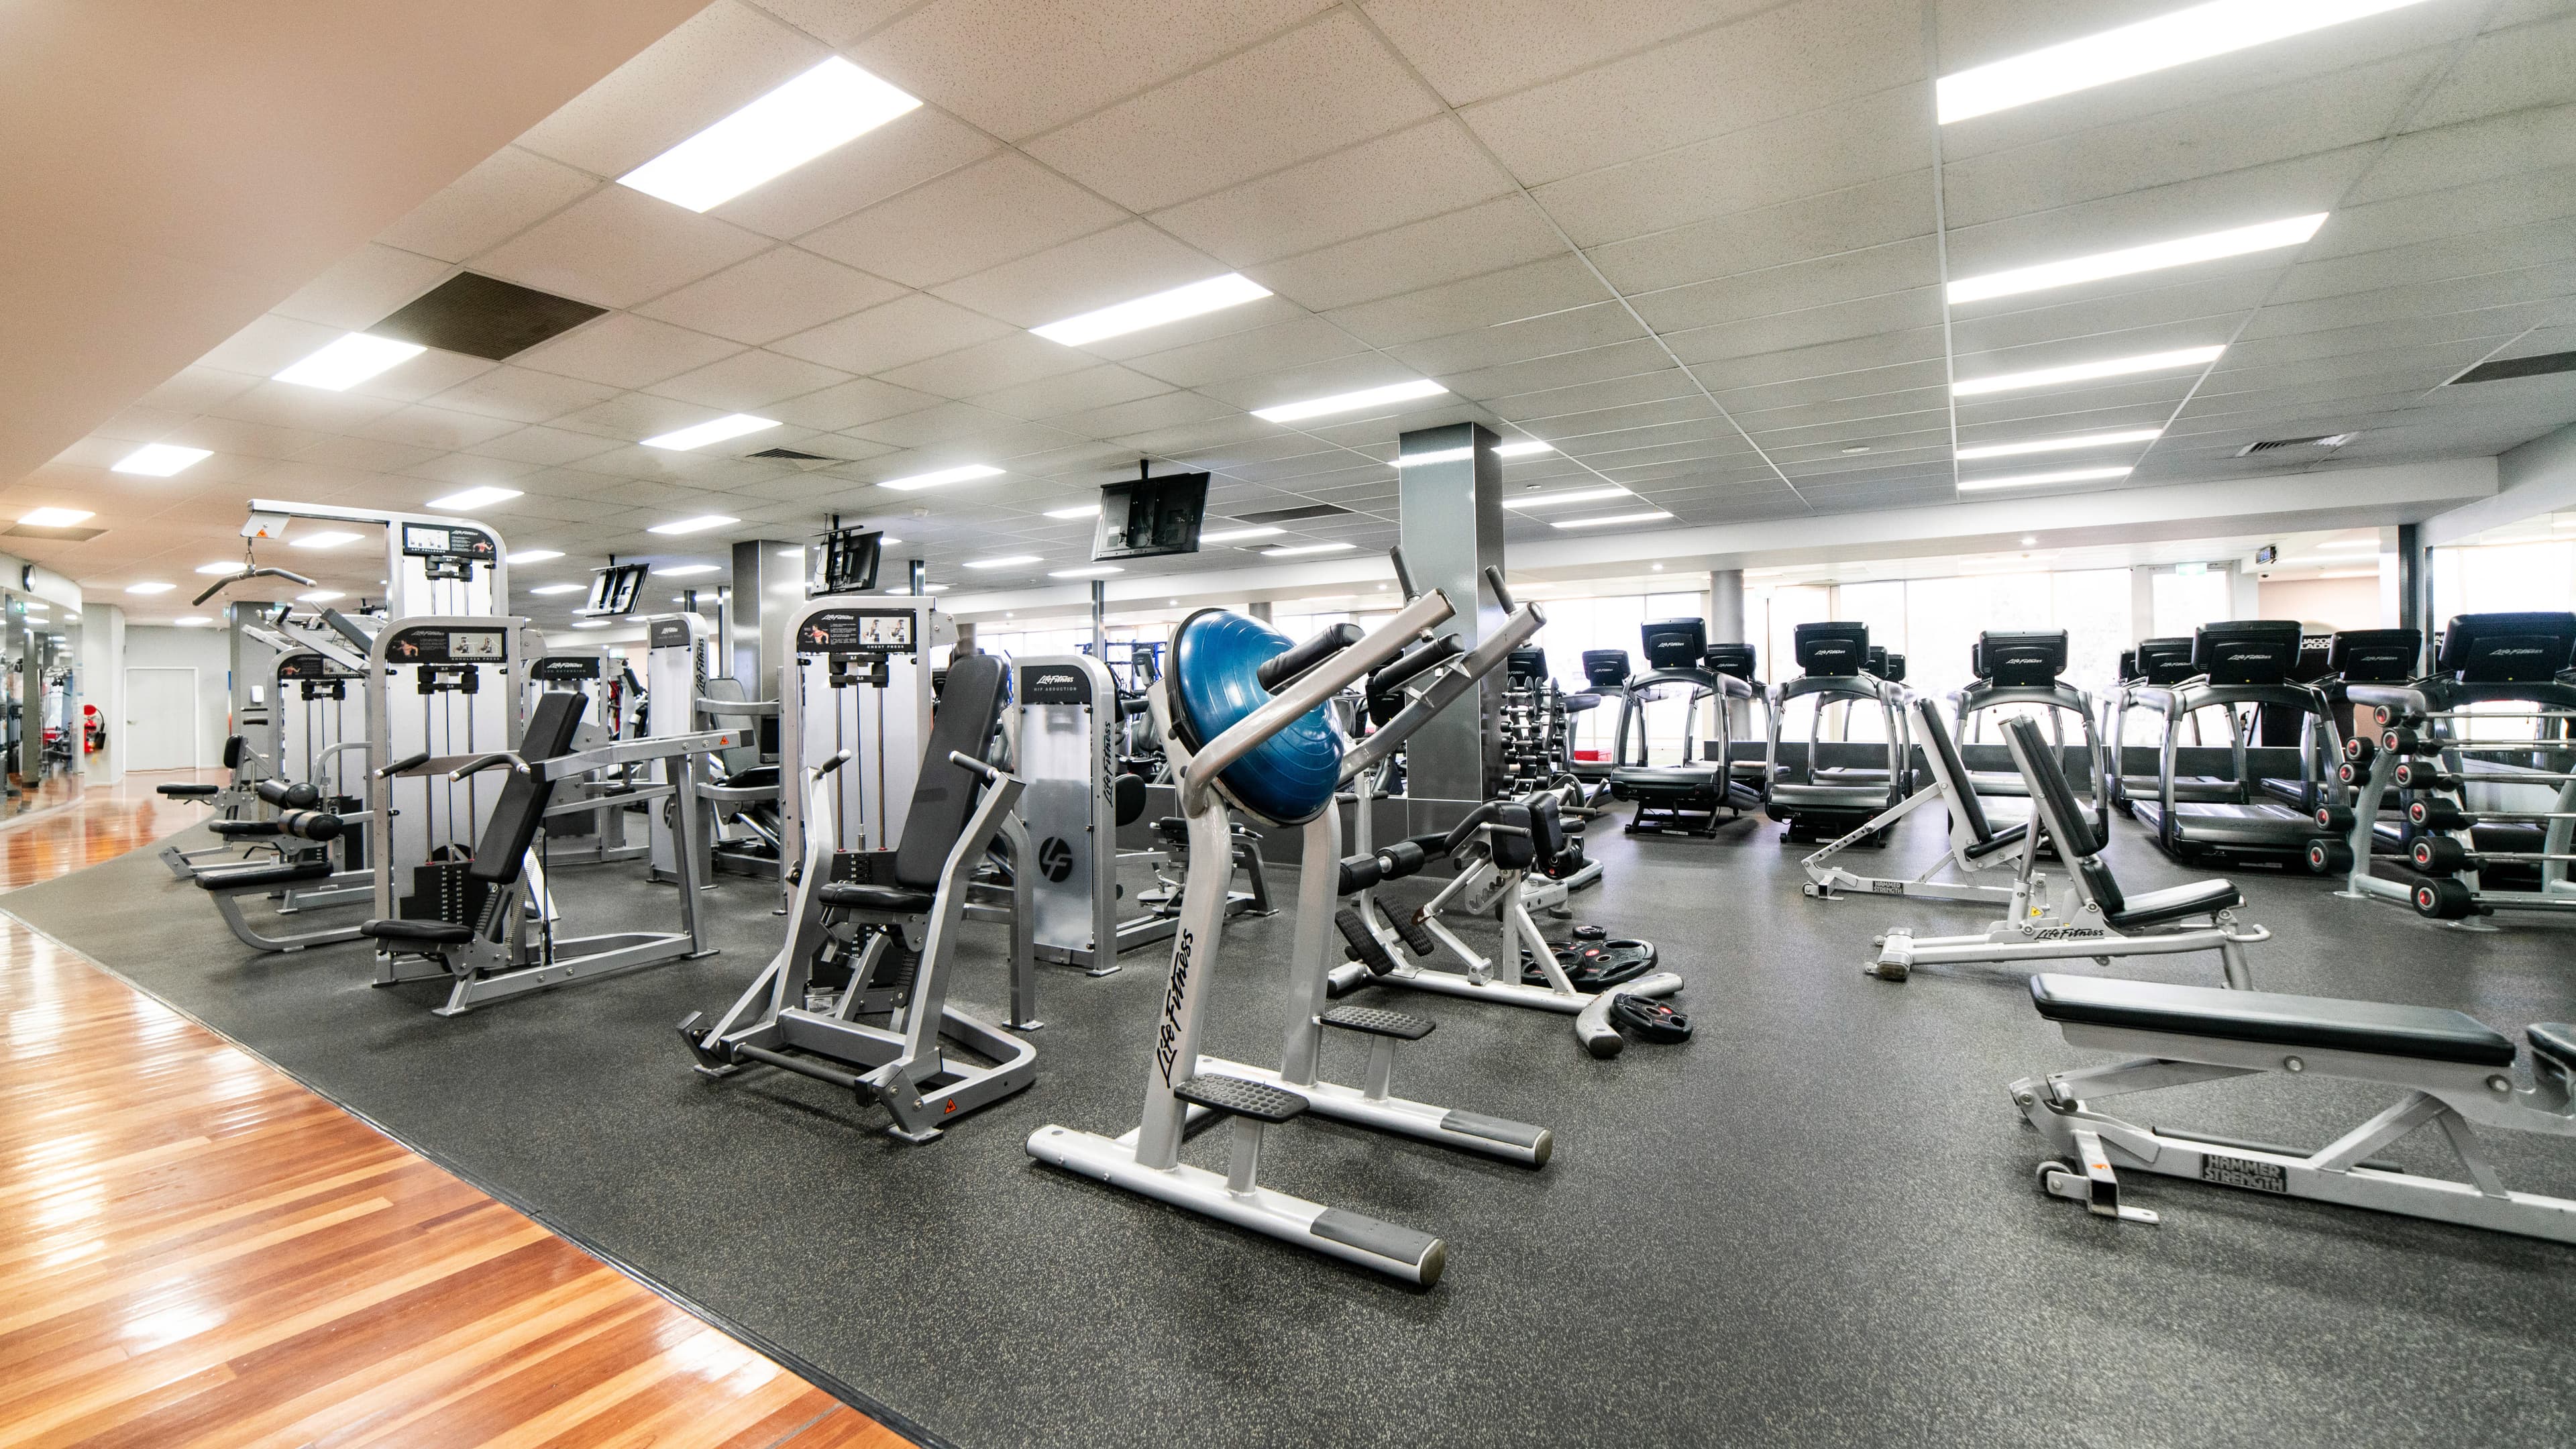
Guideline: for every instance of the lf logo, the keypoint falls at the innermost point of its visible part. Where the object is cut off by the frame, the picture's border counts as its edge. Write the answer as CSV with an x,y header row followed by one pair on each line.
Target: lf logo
x,y
1055,858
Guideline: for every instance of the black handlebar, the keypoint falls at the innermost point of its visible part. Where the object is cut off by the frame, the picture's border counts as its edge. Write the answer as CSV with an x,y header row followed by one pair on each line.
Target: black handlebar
x,y
1404,668
834,763
1279,669
404,766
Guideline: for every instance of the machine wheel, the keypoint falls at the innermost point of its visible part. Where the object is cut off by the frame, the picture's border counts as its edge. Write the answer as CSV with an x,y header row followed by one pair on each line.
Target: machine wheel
x,y
2051,1165
2329,857
2445,899
2437,854
1593,965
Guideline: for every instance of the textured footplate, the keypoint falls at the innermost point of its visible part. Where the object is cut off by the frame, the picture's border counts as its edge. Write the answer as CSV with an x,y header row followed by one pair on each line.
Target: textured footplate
x,y
1375,1022
1257,1100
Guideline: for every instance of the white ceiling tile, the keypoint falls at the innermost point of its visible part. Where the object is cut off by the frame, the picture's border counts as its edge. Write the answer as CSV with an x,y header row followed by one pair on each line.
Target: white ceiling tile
x,y
438,428
1146,415
1416,173
780,291
616,248
1553,285
1556,371
1313,90
1005,361
547,447
268,345
1793,58
1539,410
907,329
1017,69
750,381
1545,334
977,216
989,434
2188,207
285,405
2497,148
194,389
524,395
1471,49
1870,214
1843,366
367,285
886,162
850,404
715,63
1096,271
367,454
1092,387
835,22
505,195
425,376
2469,254
2535,195
1287,344
2510,70
623,350
1876,273
1838,146
2527,287
2224,300
1504,232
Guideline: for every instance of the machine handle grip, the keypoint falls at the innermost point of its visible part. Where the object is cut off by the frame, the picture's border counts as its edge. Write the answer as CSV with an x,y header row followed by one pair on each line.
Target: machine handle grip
x,y
1412,663
481,763
1502,594
1403,575
1327,642
834,763
403,766
980,767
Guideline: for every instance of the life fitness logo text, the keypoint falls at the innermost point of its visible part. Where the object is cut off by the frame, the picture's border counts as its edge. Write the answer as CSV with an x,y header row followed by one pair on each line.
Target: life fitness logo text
x,y
1055,858
1167,1037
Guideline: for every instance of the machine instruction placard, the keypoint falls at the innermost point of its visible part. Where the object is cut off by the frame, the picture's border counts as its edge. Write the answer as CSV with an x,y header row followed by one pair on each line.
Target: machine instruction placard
x,y
856,631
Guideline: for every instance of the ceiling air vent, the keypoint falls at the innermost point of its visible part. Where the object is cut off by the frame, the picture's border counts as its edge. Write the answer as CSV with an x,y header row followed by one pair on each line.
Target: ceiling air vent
x,y
484,317
791,455
2276,445
1290,515
2502,368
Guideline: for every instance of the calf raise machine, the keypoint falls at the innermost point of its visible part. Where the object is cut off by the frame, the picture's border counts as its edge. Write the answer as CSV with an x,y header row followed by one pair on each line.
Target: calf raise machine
x,y
1248,726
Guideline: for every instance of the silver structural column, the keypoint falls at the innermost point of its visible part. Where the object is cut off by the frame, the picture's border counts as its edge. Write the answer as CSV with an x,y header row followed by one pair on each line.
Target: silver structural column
x,y
1452,521
1726,607
768,585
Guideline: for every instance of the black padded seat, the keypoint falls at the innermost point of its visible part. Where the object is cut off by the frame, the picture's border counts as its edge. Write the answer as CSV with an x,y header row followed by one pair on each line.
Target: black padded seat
x,y
2422,1033
260,877
424,933
244,829
899,900
187,792
757,777
2154,908
2555,1040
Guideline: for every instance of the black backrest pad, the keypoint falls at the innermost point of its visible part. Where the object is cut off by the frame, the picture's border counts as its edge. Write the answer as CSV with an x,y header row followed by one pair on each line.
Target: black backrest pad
x,y
512,826
234,747
1675,643
945,795
2022,657
2375,656
1952,770
2048,782
1605,668
1831,649
2506,648
2246,651
1734,659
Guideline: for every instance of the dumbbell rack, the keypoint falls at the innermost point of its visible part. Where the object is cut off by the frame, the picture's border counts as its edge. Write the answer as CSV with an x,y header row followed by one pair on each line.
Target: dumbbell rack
x,y
1537,736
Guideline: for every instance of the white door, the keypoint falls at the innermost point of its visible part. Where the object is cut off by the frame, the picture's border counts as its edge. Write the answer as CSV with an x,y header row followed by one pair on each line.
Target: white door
x,y
160,719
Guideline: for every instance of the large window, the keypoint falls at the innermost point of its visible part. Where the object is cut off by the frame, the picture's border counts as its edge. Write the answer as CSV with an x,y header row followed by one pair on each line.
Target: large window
x,y
2501,578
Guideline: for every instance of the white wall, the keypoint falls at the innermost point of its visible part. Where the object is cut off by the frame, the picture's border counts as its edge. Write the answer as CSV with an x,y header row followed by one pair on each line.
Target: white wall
x,y
164,647
102,683
2335,603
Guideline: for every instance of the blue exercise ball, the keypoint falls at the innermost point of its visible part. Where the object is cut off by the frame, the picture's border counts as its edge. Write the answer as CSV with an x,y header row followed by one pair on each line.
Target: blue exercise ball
x,y
1287,779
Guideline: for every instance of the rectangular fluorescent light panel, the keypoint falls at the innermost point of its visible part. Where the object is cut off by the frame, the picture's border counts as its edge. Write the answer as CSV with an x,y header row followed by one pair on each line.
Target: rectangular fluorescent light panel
x,y
535,555
55,517
1303,548
2033,480
2196,33
1096,571
826,107
2086,371
559,589
945,475
2350,545
1195,300
1649,517
731,425
159,460
153,588
2067,444
692,525
1088,510
474,498
328,538
350,361
1238,535
683,571
2155,256
1009,561
1579,495
1345,402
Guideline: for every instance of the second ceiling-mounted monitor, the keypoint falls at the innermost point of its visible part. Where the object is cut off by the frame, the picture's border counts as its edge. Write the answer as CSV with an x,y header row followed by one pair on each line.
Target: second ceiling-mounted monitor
x,y
845,562
1149,517
614,591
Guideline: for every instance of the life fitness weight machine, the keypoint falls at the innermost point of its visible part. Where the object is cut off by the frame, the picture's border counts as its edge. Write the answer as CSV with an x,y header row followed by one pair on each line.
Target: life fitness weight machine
x,y
586,820
1247,722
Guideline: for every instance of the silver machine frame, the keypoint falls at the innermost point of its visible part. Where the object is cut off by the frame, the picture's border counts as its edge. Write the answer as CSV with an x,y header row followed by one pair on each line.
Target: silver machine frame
x,y
2446,723
2452,1097
1826,879
604,800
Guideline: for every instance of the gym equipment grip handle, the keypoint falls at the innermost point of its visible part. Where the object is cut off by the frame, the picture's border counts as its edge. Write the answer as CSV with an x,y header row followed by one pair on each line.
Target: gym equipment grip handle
x,y
1404,668
403,766
980,767
1327,642
481,763
1502,595
834,763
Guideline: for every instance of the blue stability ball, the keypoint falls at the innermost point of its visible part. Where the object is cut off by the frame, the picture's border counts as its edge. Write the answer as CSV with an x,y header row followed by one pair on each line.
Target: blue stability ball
x,y
1288,778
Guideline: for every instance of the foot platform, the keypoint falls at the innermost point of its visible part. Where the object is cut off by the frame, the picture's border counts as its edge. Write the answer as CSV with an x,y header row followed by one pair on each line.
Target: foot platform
x,y
1372,1021
1236,1097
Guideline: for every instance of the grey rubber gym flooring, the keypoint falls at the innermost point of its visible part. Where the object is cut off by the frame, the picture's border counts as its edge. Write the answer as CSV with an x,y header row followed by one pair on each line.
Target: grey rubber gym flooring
x,y
1814,1224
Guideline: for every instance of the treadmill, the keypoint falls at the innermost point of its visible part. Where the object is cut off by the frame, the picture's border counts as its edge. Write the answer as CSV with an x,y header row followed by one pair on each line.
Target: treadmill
x,y
1605,677
1821,803
2241,668
1738,661
1682,798
2026,668
2159,663
2347,657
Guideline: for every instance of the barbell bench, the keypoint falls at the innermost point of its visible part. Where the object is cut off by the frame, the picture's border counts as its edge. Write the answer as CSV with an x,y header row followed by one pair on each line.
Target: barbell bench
x,y
2456,1074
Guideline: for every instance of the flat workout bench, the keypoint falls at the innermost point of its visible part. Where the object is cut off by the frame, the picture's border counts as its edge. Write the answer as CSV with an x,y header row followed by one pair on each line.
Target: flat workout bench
x,y
2455,1071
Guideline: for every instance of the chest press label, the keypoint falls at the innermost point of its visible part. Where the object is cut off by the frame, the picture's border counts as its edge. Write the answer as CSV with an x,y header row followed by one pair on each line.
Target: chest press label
x,y
2244,1172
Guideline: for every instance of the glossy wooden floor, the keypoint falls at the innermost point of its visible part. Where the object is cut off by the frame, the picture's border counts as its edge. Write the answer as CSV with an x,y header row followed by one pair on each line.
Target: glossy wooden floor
x,y
195,1250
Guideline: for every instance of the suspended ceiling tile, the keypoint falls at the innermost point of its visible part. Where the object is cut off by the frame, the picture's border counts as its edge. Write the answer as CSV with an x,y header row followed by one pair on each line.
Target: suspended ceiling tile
x,y
750,381
1871,214
1096,386
781,291
718,61
1472,49
849,404
1390,181
1286,344
1117,265
1554,285
616,248
625,351
907,329
1005,361
997,210
509,192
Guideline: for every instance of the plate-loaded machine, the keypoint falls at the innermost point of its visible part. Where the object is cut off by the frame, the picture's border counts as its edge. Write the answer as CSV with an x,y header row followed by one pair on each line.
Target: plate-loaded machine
x,y
1815,801
909,904
1975,842
2455,1073
1246,718
460,891
1682,798
2095,917
2025,669
2240,669
2461,788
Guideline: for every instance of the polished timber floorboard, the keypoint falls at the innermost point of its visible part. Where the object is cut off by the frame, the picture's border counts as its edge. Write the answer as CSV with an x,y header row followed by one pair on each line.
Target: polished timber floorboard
x,y
195,1250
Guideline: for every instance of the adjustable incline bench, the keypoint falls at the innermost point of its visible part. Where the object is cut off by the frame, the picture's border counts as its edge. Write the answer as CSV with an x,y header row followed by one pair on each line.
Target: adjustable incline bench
x,y
2453,1070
